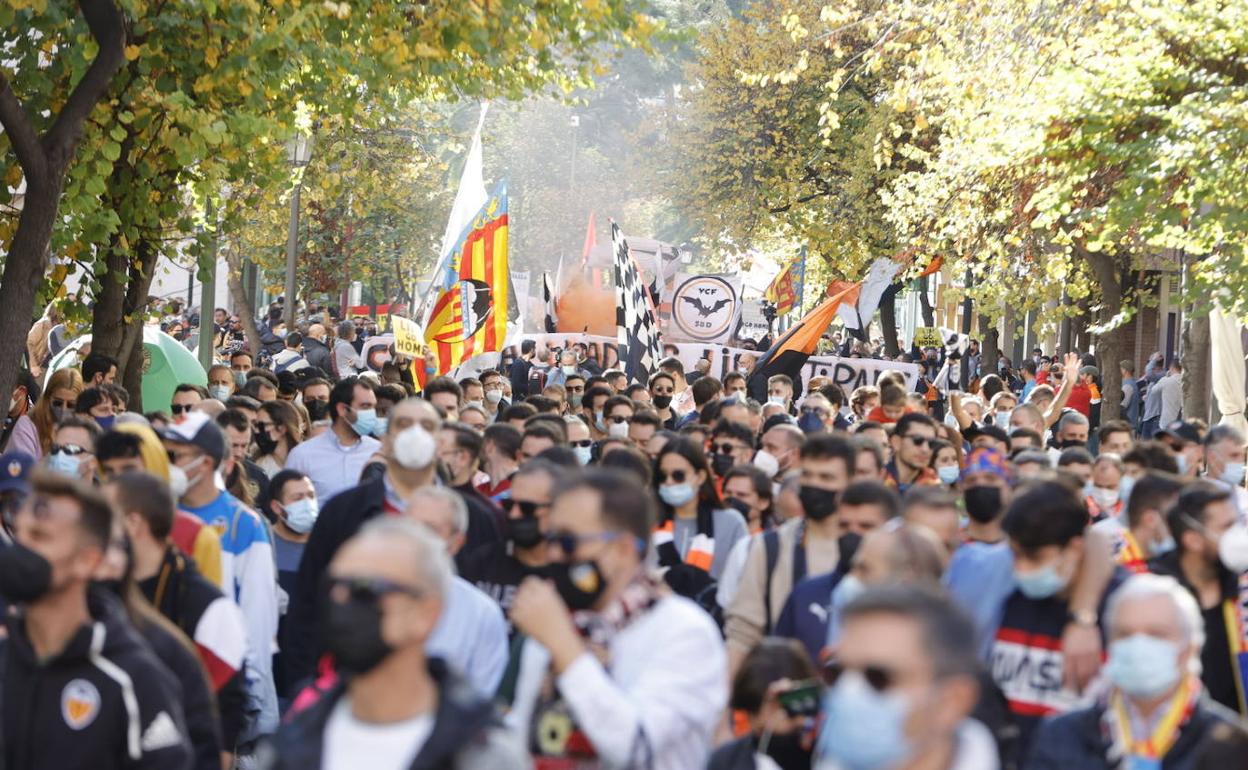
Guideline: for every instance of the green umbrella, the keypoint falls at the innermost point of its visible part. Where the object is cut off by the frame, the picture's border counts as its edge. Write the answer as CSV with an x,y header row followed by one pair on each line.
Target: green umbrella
x,y
166,364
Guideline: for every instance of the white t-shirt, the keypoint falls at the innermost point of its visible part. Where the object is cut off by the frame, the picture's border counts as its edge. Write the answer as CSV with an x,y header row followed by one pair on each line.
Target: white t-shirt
x,y
351,744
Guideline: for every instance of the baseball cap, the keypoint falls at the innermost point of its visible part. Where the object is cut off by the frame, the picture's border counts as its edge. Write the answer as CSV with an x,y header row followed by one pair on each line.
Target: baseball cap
x,y
198,430
1187,432
15,471
1091,371
986,460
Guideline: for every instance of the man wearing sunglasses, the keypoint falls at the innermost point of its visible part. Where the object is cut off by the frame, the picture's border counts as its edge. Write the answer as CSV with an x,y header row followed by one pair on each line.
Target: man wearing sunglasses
x,y
912,452
400,705
635,675
904,685
185,397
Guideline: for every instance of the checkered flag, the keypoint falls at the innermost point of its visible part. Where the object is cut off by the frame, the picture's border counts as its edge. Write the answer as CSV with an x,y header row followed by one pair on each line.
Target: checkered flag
x,y
552,312
636,332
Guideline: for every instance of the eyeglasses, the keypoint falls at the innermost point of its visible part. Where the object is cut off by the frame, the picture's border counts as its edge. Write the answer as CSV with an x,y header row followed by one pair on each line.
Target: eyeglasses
x,y
568,542
582,443
678,476
259,426
617,419
528,508
180,408
60,403
368,590
919,441
67,449
879,678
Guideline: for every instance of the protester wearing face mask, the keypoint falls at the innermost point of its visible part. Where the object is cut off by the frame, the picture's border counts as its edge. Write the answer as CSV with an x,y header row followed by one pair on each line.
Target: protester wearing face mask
x,y
566,366
59,400
665,685
492,386
1103,492
593,409
803,546
276,430
315,398
779,736
780,391
471,634
945,462
1224,461
196,448
73,449
59,709
295,509
617,411
780,448
175,587
903,687
387,588
1157,713
19,433
1141,534
334,459
499,568
696,530
662,390
1186,441
221,383
1046,525
1199,521
460,450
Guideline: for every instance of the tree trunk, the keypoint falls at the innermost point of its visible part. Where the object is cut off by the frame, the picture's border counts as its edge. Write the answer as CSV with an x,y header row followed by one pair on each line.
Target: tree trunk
x,y
989,347
120,311
44,161
888,322
1197,362
925,302
242,302
1111,345
130,369
968,306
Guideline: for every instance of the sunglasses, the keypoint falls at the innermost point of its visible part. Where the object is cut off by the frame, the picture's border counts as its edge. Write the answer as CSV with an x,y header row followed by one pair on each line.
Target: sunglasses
x,y
919,441
528,508
723,449
879,678
582,443
180,408
617,419
367,590
60,403
568,542
677,476
67,449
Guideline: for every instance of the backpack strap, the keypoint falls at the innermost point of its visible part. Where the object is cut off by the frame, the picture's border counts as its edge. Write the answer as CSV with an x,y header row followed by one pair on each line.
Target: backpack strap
x,y
771,550
506,694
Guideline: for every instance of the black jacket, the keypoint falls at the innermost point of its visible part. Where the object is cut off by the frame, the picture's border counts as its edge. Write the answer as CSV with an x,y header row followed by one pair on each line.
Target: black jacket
x,y
467,732
319,355
104,702
1074,741
202,725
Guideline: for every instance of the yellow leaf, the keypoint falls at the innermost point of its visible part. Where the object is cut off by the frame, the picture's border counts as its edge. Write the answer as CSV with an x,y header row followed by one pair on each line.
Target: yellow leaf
x,y
132,52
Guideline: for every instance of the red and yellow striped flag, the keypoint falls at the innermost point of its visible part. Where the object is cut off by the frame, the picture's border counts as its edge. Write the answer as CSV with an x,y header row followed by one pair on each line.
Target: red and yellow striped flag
x,y
470,313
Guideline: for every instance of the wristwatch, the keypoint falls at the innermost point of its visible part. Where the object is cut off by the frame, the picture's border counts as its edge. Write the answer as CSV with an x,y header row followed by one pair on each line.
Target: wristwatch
x,y
1086,618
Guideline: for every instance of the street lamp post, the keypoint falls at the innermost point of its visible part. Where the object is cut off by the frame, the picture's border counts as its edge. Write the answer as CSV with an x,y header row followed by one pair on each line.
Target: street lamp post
x,y
298,154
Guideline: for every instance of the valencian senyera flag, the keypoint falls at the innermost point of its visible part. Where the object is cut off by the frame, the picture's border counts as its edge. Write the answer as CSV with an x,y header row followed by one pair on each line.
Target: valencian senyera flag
x,y
785,290
472,295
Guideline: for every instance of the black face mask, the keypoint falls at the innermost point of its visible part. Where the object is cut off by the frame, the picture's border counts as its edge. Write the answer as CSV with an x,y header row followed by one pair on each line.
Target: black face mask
x,y
983,504
788,752
722,463
25,576
265,443
580,583
817,502
524,532
661,402
847,545
317,410
353,634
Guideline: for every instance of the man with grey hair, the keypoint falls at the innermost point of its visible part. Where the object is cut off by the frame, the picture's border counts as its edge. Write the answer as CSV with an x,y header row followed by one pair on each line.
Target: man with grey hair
x,y
1156,711
1224,461
567,367
398,705
905,685
1072,431
471,634
347,361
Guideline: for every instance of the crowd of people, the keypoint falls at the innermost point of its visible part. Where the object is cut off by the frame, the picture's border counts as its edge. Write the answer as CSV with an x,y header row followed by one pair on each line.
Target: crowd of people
x,y
307,564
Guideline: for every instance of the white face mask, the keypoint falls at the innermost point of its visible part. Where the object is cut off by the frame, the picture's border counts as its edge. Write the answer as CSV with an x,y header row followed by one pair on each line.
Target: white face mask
x,y
494,396
583,454
1104,498
766,462
178,483
618,430
301,514
414,448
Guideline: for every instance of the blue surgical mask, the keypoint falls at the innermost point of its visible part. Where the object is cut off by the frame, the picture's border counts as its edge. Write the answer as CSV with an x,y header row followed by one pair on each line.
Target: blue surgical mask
x,y
301,514
1233,474
383,423
863,729
240,379
365,422
1041,583
600,422
64,464
778,400
106,423
948,474
1143,666
1181,460
219,392
1124,489
677,495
